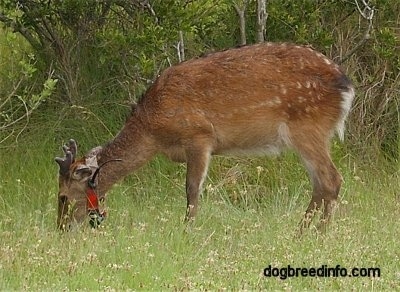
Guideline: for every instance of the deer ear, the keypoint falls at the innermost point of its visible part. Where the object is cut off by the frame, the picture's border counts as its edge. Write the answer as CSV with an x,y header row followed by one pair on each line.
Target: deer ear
x,y
91,162
82,172
94,152
91,158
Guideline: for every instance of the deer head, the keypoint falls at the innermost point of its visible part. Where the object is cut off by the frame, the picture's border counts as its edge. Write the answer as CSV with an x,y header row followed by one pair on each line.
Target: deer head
x,y
77,197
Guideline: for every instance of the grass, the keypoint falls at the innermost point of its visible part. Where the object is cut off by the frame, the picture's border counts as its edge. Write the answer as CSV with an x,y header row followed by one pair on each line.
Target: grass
x,y
249,212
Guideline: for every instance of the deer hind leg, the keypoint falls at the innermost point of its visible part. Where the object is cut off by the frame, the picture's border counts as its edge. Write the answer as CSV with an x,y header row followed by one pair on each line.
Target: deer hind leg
x,y
197,159
326,182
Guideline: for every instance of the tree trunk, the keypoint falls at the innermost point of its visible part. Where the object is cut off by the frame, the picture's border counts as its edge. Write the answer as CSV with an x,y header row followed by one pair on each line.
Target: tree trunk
x,y
181,48
241,10
261,20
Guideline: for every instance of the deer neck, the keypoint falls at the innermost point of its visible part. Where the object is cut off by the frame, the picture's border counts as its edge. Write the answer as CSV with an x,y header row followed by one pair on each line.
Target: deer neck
x,y
133,146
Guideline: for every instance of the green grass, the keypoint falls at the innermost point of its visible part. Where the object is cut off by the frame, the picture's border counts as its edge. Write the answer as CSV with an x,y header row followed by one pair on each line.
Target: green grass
x,y
247,220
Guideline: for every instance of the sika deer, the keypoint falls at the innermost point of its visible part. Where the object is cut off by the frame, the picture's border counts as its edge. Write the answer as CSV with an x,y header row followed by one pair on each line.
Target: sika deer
x,y
256,99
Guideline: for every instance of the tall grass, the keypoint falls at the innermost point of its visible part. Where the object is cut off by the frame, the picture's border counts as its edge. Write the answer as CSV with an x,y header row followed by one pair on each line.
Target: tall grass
x,y
249,212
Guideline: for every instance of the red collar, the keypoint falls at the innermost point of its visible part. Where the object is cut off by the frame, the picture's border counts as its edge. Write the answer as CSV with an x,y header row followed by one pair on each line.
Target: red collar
x,y
92,206
92,200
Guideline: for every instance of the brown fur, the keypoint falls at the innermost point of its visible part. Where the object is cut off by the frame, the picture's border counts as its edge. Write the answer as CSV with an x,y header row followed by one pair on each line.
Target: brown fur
x,y
257,99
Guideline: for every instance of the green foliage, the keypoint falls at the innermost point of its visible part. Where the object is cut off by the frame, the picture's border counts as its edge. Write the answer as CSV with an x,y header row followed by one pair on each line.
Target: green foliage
x,y
387,40
20,97
48,89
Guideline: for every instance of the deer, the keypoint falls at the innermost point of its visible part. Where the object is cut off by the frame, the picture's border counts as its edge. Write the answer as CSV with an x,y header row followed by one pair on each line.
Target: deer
x,y
252,100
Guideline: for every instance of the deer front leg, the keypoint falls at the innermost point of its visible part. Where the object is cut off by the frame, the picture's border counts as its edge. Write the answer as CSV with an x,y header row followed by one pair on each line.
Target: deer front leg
x,y
197,160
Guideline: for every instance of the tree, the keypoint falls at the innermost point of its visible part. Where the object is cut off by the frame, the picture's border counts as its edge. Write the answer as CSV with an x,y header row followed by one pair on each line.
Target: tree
x,y
240,8
262,16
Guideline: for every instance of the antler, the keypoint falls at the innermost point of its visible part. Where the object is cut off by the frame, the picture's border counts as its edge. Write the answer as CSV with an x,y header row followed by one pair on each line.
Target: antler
x,y
70,154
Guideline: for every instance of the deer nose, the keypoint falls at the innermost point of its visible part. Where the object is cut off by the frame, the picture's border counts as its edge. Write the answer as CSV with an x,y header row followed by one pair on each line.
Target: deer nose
x,y
96,217
63,199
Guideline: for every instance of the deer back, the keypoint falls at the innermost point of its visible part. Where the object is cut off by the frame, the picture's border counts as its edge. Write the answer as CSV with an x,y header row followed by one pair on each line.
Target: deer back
x,y
248,98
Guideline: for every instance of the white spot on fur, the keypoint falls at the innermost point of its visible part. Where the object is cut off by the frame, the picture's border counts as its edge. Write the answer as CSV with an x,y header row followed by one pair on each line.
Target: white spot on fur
x,y
301,99
226,116
277,100
347,100
301,61
308,84
327,61
272,102
298,85
283,89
